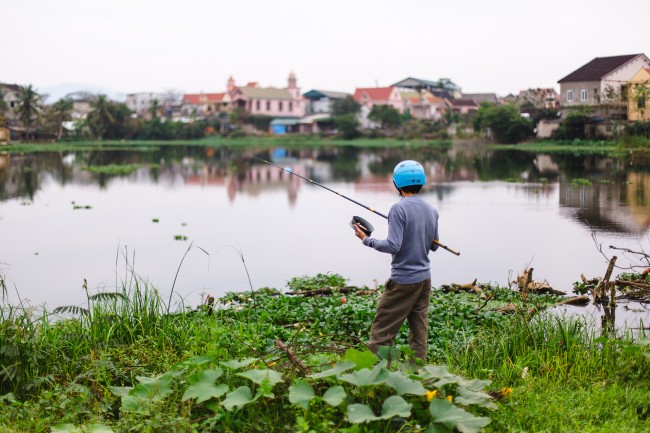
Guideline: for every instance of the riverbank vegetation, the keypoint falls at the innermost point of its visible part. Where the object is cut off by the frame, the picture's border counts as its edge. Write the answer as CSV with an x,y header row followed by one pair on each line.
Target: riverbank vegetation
x,y
128,361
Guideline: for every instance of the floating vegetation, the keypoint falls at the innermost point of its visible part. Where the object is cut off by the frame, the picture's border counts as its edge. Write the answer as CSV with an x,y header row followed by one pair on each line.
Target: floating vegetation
x,y
605,181
180,237
155,220
118,169
80,206
515,180
580,182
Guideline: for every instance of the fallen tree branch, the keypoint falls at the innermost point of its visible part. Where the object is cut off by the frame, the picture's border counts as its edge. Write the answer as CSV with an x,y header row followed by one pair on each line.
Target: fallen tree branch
x,y
292,356
576,300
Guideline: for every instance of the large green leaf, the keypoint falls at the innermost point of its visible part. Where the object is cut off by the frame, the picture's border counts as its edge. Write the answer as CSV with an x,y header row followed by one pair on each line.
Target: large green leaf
x,y
135,404
395,406
335,395
120,391
454,417
202,386
362,359
237,398
301,393
155,388
198,361
366,377
434,372
475,385
336,370
271,377
467,398
65,428
236,364
404,385
360,413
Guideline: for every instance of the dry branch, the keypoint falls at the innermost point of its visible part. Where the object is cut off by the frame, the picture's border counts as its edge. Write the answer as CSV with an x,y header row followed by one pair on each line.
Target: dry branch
x,y
292,356
526,284
576,300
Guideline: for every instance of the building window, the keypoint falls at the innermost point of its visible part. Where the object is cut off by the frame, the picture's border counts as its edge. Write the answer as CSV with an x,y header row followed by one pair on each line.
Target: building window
x,y
257,105
641,103
583,95
290,107
268,105
280,106
569,95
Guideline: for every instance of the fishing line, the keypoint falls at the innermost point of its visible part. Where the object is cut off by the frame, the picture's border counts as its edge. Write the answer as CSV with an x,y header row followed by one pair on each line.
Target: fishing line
x,y
355,219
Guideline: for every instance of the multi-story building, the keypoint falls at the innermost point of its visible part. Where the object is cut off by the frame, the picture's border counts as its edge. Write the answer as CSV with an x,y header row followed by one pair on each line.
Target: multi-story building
x,y
601,82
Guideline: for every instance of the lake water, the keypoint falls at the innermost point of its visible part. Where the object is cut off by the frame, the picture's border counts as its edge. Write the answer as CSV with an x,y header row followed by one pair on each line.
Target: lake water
x,y
503,210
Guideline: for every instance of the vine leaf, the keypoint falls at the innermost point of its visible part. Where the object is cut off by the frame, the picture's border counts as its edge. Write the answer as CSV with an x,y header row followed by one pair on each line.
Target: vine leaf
x,y
202,386
362,359
301,393
335,395
336,370
238,398
271,377
454,417
366,377
404,385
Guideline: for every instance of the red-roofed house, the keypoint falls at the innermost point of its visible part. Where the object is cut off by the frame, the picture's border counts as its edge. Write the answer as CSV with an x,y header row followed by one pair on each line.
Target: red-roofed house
x,y
371,96
269,101
204,104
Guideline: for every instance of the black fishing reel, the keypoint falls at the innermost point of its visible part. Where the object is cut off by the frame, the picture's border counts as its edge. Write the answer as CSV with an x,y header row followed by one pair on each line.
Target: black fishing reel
x,y
363,224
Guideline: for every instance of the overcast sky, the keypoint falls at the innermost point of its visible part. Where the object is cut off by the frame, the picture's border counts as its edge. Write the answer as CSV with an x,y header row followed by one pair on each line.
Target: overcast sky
x,y
499,46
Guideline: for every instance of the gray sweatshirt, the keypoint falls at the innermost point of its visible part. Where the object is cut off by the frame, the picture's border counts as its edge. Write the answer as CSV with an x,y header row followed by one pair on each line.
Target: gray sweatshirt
x,y
412,227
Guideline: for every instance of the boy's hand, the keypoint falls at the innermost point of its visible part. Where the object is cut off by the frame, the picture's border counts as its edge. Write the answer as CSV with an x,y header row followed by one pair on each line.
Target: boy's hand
x,y
358,232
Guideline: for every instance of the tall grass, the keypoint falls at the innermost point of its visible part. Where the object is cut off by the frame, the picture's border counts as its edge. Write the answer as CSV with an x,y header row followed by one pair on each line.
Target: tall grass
x,y
565,349
29,338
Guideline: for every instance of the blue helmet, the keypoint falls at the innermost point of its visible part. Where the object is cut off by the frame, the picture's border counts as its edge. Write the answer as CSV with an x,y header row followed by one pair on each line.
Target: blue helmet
x,y
408,173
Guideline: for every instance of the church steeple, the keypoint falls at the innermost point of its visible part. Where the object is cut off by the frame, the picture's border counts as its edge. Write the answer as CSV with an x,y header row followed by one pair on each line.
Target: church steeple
x,y
231,84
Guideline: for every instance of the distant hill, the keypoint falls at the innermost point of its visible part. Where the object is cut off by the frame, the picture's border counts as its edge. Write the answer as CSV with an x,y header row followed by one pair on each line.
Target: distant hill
x,y
54,93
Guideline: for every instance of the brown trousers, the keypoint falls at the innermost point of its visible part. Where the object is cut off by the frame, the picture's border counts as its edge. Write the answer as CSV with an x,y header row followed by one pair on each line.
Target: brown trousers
x,y
401,302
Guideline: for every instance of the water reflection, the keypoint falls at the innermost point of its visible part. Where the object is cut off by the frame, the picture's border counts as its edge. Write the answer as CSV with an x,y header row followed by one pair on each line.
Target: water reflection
x,y
618,200
501,209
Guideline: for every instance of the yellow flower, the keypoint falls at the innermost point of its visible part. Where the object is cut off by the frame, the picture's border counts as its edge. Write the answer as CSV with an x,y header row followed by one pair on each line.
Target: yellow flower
x,y
450,399
431,394
271,364
371,393
506,392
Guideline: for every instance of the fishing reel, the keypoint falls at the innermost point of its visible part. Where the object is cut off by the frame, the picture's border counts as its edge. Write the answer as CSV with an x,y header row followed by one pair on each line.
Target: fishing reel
x,y
363,224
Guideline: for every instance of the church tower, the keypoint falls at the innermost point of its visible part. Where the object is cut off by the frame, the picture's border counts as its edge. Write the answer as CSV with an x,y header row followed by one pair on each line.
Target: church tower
x,y
293,86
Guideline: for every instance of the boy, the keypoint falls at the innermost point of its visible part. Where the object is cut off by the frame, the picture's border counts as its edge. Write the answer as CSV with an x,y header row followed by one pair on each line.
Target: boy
x,y
412,227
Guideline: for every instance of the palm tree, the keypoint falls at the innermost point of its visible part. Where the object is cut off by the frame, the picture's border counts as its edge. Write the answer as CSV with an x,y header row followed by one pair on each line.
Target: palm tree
x,y
154,109
3,106
62,112
101,117
29,107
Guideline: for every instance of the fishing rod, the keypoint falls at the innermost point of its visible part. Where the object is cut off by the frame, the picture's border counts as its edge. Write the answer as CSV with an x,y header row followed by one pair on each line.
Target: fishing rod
x,y
443,246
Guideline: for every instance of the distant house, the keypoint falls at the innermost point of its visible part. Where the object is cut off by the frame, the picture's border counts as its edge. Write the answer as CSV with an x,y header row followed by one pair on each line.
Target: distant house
x,y
638,92
204,104
82,104
371,96
463,106
602,81
141,102
538,98
320,101
444,87
10,94
268,101
481,97
423,105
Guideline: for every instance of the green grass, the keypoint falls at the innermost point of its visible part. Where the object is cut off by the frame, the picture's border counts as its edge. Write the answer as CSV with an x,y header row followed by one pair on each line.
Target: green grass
x,y
218,142
121,362
575,147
